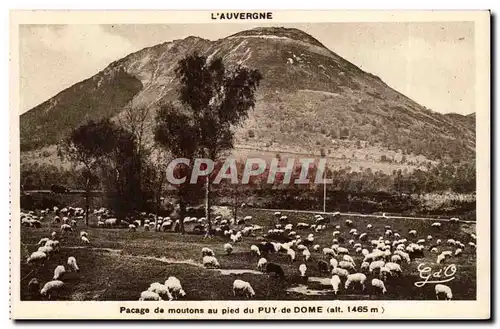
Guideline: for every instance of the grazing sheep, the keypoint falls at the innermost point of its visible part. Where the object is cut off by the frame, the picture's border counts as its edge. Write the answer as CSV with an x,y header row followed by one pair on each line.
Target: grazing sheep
x,y
356,278
83,233
335,282
369,226
132,228
472,244
291,253
302,270
52,287
59,272
207,252
394,267
261,263
436,224
174,287
72,265
412,232
365,266
307,254
340,272
440,258
66,228
161,290
333,262
255,249
38,257
342,250
43,241
228,248
317,246
210,262
348,258
378,264
150,296
346,265
396,259
85,240
243,288
458,252
379,284
442,289
47,250
348,222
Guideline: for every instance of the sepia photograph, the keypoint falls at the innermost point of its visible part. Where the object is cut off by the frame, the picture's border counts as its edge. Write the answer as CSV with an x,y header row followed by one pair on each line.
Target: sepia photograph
x,y
248,158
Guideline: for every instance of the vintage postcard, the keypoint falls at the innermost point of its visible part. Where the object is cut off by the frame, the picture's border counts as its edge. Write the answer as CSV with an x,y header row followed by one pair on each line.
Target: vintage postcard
x,y
250,165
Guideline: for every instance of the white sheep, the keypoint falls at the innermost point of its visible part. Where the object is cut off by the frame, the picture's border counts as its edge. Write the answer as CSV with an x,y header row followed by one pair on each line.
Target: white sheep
x,y
342,250
396,259
38,257
261,263
83,233
333,262
355,278
440,258
346,265
59,272
255,249
207,252
43,241
442,289
50,287
72,265
376,283
210,261
150,296
335,282
291,253
302,269
228,248
66,227
85,240
316,247
307,254
329,251
161,290
412,232
369,226
348,258
378,264
340,272
243,288
394,267
436,224
174,287
458,252
365,266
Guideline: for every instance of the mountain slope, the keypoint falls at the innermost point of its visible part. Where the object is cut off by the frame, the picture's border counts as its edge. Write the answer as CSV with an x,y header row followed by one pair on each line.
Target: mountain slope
x,y
310,99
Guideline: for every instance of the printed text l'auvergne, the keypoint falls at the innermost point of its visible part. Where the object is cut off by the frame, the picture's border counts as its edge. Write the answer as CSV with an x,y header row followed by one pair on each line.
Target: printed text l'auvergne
x,y
242,16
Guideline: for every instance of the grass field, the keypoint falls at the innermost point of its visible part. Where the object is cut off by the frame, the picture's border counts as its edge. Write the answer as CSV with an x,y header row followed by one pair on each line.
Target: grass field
x,y
118,264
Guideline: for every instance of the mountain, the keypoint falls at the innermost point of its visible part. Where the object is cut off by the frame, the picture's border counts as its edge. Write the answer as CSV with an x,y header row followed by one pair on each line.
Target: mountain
x,y
310,99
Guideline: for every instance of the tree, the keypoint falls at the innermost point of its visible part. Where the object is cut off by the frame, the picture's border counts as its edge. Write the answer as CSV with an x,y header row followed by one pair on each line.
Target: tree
x,y
86,146
213,99
174,131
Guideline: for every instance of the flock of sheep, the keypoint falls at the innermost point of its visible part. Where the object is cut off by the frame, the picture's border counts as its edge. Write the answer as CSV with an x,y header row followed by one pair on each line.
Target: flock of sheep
x,y
363,259
383,263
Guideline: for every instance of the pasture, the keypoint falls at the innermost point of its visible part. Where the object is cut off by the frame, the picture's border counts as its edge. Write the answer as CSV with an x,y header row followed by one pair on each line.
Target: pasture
x,y
119,264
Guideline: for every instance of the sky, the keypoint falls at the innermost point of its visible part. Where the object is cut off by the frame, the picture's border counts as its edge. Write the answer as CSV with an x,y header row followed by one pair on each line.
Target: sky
x,y
432,63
